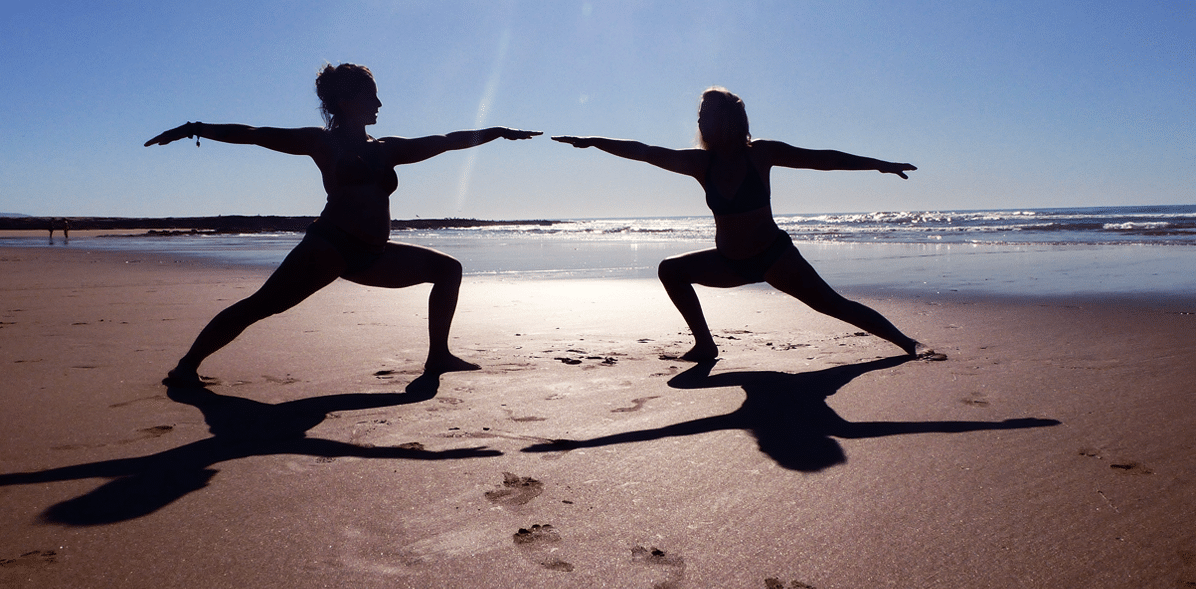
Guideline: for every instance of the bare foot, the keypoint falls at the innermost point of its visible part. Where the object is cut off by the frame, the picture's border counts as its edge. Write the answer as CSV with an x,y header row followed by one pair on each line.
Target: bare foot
x,y
448,363
183,376
926,353
701,353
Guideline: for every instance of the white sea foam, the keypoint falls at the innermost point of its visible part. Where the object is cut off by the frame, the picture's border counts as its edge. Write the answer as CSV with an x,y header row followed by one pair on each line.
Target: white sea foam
x,y
1107,249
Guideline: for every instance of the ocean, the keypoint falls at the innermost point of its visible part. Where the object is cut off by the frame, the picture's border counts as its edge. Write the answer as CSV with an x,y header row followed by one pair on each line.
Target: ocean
x,y
1104,251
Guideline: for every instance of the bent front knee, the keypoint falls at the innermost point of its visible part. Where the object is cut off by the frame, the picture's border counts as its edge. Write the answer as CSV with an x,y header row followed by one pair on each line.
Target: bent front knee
x,y
448,269
669,271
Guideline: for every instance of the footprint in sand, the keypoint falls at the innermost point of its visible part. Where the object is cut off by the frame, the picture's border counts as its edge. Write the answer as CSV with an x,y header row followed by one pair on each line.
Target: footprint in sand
x,y
34,559
538,542
671,566
525,419
516,490
137,400
1131,467
636,405
443,404
157,430
390,374
975,400
582,355
791,346
774,583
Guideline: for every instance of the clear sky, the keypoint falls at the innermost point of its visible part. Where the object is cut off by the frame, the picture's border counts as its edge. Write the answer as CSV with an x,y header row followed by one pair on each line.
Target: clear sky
x,y
1000,104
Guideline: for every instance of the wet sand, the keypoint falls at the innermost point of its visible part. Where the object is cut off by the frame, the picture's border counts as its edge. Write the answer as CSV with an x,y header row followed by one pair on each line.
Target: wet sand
x,y
1052,449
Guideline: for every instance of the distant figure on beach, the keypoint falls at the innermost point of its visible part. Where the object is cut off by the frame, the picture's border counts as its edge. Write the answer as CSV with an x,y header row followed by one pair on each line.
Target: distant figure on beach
x,y
350,239
734,171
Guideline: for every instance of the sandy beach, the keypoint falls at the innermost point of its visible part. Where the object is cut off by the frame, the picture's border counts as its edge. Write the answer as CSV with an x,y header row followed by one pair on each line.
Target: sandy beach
x,y
1053,449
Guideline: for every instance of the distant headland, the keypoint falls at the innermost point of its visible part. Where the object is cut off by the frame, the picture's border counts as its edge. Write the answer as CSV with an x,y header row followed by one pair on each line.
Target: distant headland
x,y
224,224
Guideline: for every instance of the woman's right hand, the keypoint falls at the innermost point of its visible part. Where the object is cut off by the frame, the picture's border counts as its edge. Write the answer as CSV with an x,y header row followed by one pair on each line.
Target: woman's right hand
x,y
578,142
895,168
515,134
179,132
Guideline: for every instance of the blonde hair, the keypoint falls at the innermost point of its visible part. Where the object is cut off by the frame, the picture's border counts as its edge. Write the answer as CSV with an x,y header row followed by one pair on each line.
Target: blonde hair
x,y
734,123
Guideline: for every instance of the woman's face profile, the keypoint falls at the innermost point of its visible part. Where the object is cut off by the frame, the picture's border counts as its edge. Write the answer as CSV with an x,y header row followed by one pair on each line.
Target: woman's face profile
x,y
711,122
363,106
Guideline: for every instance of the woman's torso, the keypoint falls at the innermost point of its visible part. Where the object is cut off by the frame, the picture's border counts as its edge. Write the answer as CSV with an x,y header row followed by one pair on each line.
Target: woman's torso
x,y
359,184
738,193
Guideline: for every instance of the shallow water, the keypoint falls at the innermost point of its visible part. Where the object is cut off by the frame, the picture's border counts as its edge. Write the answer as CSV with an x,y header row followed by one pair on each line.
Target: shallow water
x,y
1137,251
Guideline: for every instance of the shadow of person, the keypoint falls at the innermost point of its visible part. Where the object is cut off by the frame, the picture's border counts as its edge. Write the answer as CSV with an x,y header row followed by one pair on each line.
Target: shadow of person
x,y
240,428
789,417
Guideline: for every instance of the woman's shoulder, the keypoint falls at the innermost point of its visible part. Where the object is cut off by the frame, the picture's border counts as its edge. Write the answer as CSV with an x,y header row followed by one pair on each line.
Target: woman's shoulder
x,y
766,151
323,142
766,145
313,137
308,134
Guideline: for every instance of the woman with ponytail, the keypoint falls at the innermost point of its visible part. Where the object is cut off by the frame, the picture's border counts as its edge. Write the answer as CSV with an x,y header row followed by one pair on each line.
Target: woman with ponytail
x,y
350,239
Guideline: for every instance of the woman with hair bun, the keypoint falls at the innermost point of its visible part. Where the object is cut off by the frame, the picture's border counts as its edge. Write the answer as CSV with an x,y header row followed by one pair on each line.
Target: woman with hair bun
x,y
350,239
733,170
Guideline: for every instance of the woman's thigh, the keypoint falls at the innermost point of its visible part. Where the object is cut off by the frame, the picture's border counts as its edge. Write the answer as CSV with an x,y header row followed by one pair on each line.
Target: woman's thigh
x,y
311,266
704,267
793,275
403,265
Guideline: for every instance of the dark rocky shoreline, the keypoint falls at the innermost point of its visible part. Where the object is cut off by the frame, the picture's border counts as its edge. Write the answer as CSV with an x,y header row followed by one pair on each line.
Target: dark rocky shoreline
x,y
226,224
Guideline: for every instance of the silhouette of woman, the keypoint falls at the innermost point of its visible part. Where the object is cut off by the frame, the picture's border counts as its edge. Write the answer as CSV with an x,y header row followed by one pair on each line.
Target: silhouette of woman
x,y
350,238
749,247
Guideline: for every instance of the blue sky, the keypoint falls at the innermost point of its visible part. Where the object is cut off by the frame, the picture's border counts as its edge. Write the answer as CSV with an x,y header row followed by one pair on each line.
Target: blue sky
x,y
1010,104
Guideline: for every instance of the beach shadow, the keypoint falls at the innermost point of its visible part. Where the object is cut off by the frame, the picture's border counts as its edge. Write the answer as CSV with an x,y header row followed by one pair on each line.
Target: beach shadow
x,y
240,428
789,417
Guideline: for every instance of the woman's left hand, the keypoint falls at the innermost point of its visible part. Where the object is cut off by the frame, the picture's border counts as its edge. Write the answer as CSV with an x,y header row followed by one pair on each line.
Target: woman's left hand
x,y
578,142
514,134
899,169
172,135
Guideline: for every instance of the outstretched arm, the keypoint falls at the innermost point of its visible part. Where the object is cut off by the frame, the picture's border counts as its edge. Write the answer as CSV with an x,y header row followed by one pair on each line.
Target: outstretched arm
x,y
681,161
400,150
788,156
293,141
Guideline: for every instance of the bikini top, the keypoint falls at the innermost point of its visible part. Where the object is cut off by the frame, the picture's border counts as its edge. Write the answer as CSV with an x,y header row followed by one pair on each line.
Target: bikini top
x,y
353,170
751,194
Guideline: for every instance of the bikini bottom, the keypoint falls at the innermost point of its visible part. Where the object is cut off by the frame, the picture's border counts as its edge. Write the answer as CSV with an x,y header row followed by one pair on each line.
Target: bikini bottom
x,y
753,269
358,255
